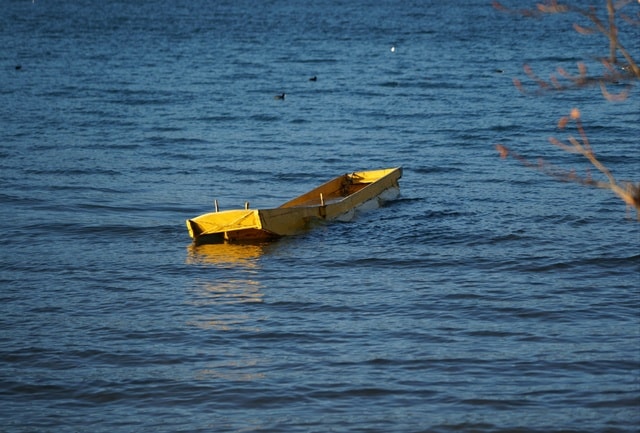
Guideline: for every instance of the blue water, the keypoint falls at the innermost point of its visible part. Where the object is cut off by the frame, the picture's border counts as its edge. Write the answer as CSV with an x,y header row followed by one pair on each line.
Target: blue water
x,y
487,298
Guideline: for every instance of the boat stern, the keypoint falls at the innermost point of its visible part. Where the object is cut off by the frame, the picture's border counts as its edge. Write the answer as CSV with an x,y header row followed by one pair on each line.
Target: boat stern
x,y
218,224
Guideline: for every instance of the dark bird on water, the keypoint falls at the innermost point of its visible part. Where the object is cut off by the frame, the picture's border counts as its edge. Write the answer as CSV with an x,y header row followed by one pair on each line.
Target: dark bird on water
x,y
18,67
279,96
314,78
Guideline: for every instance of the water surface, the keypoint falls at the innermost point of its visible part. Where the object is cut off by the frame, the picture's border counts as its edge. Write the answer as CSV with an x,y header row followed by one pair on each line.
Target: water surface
x,y
487,298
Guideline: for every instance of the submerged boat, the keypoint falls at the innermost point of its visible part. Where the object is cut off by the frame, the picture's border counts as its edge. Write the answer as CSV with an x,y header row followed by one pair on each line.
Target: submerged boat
x,y
337,199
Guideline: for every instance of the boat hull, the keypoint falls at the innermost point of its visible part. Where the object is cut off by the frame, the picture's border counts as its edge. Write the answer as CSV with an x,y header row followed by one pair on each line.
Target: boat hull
x,y
337,199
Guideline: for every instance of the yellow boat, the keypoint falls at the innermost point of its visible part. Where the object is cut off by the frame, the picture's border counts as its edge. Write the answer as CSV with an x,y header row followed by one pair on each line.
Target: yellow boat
x,y
336,199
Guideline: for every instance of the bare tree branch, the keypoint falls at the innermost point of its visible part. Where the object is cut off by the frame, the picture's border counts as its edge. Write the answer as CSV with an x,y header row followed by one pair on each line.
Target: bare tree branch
x,y
628,191
614,73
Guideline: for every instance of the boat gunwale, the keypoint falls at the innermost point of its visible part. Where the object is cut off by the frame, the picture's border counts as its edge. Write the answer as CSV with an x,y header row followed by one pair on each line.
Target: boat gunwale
x,y
346,181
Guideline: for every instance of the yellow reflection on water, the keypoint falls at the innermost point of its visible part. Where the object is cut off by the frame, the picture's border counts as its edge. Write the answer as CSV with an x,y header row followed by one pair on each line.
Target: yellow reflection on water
x,y
213,296
222,301
244,371
235,291
236,288
226,322
225,254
